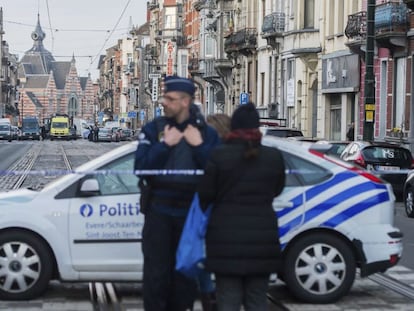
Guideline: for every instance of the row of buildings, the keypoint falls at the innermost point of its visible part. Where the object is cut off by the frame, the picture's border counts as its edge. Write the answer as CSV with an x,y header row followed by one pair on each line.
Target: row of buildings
x,y
298,60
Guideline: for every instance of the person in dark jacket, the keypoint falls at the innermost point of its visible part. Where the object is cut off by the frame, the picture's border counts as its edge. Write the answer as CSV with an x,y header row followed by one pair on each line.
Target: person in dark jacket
x,y
350,135
242,241
181,140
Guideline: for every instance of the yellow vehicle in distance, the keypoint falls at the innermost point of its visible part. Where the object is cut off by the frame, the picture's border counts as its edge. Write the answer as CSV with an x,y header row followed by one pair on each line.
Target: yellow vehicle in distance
x,y
59,127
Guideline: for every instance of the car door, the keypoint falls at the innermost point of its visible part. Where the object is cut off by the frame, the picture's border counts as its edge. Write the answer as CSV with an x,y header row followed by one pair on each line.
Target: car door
x,y
296,201
105,228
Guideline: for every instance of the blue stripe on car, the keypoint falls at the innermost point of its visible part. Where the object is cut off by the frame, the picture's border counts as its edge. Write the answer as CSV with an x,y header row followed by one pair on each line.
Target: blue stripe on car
x,y
329,203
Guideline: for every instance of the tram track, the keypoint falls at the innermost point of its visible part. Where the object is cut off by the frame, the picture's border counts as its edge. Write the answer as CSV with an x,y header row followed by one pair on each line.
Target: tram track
x,y
393,284
26,167
107,296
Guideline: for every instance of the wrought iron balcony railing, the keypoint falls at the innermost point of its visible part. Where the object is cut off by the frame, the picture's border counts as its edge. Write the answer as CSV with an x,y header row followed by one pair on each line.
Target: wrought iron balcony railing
x,y
273,24
391,16
244,39
193,64
356,27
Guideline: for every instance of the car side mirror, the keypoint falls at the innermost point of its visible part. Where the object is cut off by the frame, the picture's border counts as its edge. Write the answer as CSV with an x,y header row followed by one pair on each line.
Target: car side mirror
x,y
89,188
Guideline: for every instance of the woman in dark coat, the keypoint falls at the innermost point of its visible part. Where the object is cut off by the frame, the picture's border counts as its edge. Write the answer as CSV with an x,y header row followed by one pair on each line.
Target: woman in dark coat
x,y
242,239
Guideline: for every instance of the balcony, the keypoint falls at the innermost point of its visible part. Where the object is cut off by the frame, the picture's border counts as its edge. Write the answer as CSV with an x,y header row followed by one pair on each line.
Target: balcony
x,y
193,66
391,24
210,70
153,4
243,41
273,27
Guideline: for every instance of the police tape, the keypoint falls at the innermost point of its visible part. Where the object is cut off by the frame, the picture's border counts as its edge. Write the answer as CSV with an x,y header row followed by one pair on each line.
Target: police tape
x,y
56,173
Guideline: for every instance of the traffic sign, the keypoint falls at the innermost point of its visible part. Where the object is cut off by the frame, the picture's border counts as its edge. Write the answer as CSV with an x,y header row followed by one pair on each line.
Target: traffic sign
x,y
154,75
244,98
154,90
158,112
142,115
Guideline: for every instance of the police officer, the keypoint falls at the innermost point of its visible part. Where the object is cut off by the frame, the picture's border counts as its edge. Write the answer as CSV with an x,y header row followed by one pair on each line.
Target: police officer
x,y
180,140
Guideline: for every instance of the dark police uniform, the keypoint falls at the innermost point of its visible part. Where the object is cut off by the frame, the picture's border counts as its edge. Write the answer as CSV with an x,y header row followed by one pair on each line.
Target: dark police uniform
x,y
164,288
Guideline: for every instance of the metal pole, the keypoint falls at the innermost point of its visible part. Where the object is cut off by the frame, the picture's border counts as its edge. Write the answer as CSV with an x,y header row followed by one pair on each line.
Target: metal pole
x,y
369,90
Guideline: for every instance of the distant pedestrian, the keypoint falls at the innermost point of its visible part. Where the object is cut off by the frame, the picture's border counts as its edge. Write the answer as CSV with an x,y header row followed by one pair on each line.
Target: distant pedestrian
x,y
350,135
91,134
96,133
242,242
43,131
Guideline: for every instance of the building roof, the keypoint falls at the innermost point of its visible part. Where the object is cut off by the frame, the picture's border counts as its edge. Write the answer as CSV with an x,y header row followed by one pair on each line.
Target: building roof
x,y
34,99
83,81
36,81
60,72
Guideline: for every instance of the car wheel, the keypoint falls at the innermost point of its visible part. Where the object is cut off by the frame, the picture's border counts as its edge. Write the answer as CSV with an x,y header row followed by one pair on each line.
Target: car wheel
x,y
25,266
409,202
319,268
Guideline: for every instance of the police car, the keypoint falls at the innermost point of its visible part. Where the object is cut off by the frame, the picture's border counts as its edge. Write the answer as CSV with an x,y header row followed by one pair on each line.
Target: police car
x,y
86,226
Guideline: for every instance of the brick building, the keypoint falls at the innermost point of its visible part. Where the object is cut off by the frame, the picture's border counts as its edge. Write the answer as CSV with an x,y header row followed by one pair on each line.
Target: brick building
x,y
48,86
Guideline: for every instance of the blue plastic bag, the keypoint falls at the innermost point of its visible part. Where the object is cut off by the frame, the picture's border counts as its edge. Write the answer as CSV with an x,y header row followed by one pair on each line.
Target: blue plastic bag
x,y
191,253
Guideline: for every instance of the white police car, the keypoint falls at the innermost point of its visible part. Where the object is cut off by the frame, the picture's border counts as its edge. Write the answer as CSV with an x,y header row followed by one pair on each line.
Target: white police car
x,y
86,226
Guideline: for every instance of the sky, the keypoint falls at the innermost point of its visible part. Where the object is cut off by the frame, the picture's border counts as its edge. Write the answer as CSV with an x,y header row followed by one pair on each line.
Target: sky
x,y
84,28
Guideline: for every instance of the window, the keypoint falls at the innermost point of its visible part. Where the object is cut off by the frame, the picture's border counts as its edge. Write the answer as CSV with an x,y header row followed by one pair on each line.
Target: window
x,y
309,15
209,46
170,18
122,181
302,172
339,15
73,107
399,101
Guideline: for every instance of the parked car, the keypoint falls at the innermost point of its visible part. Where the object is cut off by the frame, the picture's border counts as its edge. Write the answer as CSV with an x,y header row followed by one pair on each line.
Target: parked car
x,y
6,132
15,132
106,134
280,131
408,195
126,134
386,160
333,219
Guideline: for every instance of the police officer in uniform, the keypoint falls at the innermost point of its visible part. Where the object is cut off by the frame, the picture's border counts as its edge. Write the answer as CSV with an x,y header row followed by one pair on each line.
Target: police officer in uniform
x,y
180,140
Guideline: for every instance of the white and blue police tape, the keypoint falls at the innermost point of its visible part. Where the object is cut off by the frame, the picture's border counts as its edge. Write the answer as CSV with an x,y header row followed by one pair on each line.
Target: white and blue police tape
x,y
100,172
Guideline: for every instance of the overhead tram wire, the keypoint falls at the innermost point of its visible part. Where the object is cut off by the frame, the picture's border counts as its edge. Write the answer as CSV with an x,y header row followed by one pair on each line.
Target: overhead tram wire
x,y
62,30
50,24
110,34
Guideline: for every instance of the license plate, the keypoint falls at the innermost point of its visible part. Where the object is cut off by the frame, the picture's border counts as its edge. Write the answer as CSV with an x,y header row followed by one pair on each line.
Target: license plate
x,y
388,168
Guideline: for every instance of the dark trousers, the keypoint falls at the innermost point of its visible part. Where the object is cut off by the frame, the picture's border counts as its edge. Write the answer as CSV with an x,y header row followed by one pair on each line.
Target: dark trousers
x,y
164,289
234,291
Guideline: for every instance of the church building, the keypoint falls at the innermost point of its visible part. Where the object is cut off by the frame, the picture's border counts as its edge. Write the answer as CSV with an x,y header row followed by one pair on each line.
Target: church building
x,y
48,86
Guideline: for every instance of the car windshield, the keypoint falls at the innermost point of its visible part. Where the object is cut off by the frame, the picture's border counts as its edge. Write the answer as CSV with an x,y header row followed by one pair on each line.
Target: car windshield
x,y
387,154
4,127
59,125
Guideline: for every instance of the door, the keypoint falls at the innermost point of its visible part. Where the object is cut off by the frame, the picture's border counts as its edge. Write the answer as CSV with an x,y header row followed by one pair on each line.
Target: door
x,y
105,229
